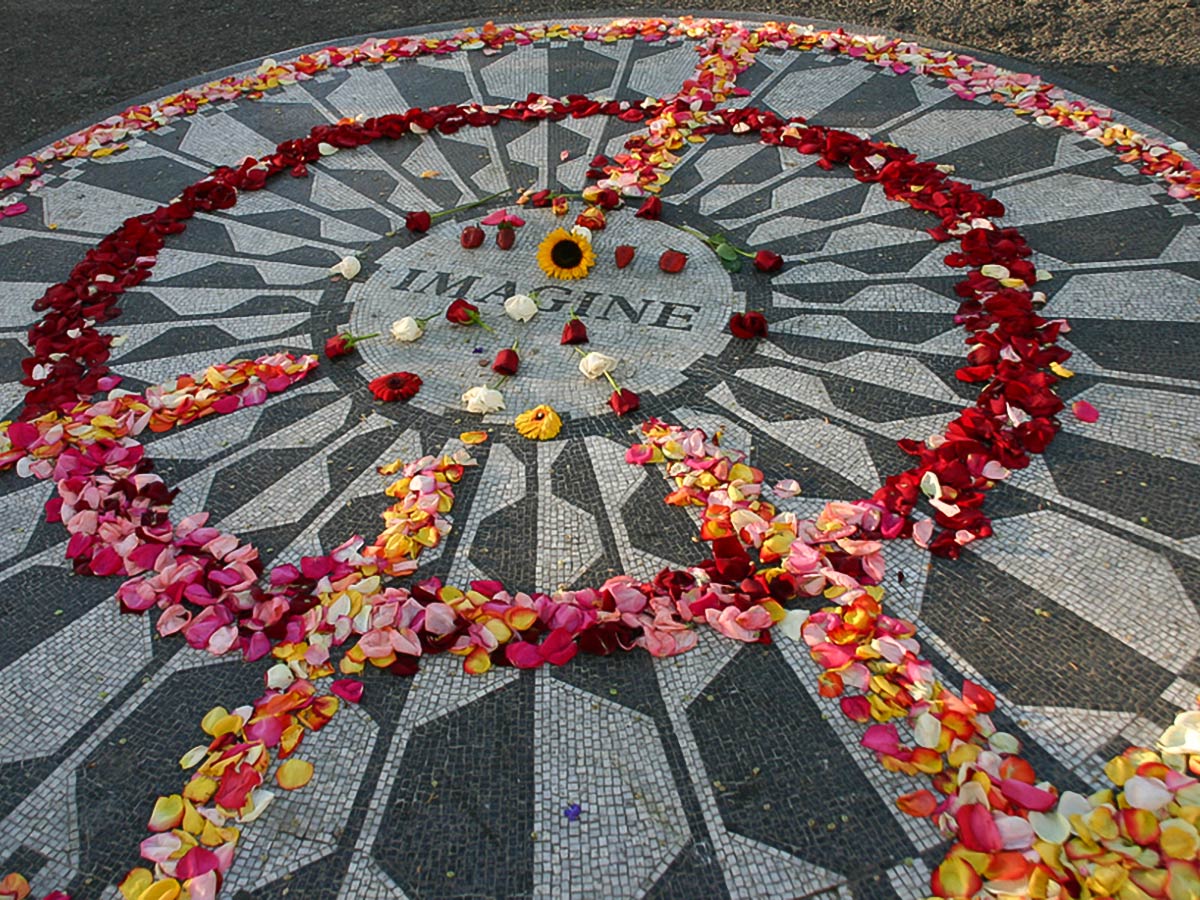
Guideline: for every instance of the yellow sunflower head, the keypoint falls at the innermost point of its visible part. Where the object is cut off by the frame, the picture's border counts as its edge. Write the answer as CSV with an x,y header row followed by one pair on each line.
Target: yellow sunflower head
x,y
565,255
541,423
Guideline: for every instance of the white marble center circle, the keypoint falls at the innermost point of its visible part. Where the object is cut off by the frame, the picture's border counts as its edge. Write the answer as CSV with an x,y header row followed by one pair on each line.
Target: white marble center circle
x,y
656,324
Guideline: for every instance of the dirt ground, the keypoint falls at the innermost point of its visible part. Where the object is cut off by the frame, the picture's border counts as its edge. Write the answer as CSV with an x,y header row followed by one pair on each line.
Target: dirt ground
x,y
65,61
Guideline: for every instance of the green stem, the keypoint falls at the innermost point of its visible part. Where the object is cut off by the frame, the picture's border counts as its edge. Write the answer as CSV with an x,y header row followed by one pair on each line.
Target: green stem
x,y
482,324
362,337
471,205
700,234
612,381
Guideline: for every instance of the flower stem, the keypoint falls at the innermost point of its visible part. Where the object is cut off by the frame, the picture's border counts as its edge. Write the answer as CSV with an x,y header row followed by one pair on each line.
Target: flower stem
x,y
471,205
362,337
700,234
612,381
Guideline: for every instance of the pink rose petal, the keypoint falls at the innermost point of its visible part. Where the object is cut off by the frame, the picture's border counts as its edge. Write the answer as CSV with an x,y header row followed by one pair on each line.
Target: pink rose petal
x,y
1085,412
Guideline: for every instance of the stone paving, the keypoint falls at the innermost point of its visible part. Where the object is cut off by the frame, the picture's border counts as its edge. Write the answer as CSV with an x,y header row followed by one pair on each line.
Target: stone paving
x,y
718,773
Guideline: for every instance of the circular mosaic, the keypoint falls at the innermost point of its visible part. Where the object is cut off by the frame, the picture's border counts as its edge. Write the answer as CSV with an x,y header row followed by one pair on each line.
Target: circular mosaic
x,y
926,560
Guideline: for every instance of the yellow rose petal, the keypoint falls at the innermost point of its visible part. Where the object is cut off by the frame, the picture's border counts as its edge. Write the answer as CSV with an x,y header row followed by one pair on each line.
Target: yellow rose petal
x,y
294,773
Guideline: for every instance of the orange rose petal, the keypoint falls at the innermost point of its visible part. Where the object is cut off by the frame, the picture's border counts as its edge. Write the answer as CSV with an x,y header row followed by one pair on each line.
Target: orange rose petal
x,y
955,878
919,803
473,437
14,885
520,618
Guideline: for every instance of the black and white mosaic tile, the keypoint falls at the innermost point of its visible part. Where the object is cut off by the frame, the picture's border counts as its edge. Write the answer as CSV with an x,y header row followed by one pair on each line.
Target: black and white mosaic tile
x,y
721,773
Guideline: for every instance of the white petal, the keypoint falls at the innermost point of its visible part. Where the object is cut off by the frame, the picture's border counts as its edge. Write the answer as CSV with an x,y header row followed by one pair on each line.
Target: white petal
x,y
1146,793
1051,826
927,731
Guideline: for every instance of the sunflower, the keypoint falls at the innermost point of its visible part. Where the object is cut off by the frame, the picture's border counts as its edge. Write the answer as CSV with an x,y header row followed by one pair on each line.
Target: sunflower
x,y
565,255
541,423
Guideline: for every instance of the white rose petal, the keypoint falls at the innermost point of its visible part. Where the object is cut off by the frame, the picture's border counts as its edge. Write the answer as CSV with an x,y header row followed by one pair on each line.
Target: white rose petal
x,y
1146,793
594,365
260,799
483,399
1003,742
1072,804
1052,826
792,623
347,268
582,231
927,731
407,329
280,677
326,149
520,307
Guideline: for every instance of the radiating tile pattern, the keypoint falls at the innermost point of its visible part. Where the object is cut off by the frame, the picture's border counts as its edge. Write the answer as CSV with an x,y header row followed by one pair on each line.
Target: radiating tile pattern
x,y
721,773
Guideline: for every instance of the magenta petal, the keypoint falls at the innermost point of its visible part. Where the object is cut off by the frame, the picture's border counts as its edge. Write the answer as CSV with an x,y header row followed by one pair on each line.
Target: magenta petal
x,y
285,574
196,862
268,730
523,655
1027,796
315,567
146,556
977,829
348,689
494,218
107,562
1085,412
882,739
559,647
256,646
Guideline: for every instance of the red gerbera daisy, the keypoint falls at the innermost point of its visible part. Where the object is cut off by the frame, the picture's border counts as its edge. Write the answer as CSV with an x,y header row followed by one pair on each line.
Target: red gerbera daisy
x,y
397,386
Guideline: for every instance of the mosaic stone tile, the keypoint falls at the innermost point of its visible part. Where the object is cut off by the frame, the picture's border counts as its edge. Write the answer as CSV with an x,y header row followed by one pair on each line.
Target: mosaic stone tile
x,y
720,773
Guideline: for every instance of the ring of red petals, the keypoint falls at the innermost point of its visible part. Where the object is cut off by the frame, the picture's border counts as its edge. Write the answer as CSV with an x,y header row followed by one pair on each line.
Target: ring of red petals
x,y
1012,346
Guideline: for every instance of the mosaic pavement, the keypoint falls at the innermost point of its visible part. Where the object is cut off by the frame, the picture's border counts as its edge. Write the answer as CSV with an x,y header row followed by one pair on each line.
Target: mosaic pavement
x,y
720,773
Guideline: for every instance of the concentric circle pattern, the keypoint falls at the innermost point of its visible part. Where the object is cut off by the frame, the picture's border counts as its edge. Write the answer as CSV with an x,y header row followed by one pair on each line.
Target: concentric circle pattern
x,y
725,771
